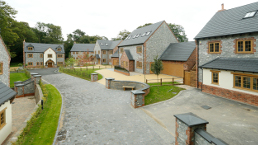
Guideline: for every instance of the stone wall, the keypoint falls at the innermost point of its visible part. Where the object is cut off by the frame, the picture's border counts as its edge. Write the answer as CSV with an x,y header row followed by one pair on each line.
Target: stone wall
x,y
227,49
199,140
122,72
5,59
61,59
36,58
157,44
118,85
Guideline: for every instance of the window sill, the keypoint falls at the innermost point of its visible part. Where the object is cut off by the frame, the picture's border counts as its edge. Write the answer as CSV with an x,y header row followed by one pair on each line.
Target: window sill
x,y
214,52
244,52
215,84
244,89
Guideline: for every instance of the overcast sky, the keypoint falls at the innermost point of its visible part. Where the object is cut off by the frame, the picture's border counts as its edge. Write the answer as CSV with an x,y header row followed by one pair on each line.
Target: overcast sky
x,y
108,17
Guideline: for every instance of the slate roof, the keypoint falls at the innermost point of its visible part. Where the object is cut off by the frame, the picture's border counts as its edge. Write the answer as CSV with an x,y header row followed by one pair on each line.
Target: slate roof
x,y
178,51
141,39
230,22
6,93
233,64
115,54
191,119
83,47
41,47
128,54
107,44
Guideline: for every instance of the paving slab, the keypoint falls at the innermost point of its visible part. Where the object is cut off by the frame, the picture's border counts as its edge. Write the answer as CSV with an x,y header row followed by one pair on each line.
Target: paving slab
x,y
233,122
96,115
107,73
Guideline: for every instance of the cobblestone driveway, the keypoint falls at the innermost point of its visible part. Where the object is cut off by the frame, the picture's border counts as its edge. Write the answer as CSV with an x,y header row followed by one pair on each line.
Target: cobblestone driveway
x,y
96,115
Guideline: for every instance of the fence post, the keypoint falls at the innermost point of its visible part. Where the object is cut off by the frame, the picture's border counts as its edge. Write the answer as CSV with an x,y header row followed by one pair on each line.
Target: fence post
x,y
146,81
161,81
99,67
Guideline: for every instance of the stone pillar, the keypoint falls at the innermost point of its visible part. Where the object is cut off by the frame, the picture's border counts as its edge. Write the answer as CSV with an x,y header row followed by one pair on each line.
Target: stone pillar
x,y
20,90
32,74
137,98
37,78
94,77
108,82
185,126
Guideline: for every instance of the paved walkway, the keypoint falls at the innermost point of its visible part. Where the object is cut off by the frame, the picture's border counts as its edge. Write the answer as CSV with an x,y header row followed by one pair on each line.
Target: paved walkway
x,y
233,122
106,73
96,115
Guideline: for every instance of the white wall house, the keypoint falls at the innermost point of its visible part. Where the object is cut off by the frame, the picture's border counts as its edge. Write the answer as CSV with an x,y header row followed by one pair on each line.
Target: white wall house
x,y
6,124
49,54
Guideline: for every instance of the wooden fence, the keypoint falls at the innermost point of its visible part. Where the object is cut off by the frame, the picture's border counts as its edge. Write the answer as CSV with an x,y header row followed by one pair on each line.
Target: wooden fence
x,y
163,82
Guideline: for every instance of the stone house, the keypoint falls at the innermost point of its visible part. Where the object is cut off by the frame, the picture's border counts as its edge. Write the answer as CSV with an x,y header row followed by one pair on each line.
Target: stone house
x,y
7,95
38,55
103,51
81,49
139,49
178,58
227,54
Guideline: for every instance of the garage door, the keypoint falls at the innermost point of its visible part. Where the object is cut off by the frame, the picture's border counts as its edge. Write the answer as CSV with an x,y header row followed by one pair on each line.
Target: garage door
x,y
174,69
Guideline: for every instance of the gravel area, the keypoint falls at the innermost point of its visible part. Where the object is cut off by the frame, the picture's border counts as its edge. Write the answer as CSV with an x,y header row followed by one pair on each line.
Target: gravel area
x,y
96,115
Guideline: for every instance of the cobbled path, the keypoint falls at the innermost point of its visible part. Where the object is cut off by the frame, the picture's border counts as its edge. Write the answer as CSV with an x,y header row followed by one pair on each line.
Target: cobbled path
x,y
96,115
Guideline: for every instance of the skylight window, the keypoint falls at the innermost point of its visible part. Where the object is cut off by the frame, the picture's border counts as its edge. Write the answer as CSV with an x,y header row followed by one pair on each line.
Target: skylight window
x,y
134,36
128,37
137,35
101,43
143,34
250,14
147,33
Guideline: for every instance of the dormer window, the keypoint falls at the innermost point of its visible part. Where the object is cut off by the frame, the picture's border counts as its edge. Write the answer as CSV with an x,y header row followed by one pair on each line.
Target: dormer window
x,y
250,14
30,48
59,49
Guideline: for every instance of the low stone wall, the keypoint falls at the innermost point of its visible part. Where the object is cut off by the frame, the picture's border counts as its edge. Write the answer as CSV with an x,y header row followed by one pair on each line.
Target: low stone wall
x,y
122,72
38,94
118,85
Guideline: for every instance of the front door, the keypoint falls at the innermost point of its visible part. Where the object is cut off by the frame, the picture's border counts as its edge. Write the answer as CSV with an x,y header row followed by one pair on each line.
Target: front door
x,y
50,64
98,61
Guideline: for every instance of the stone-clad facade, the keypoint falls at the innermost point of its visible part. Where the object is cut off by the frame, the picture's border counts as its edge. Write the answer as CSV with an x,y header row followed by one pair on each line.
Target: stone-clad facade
x,y
157,44
36,58
5,62
228,44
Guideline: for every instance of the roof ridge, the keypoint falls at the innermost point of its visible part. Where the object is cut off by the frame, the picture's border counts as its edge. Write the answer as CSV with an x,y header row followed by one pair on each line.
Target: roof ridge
x,y
237,7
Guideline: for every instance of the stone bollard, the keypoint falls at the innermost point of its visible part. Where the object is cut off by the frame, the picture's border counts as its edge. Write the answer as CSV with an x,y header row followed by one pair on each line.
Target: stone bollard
x,y
32,74
37,78
137,98
108,82
185,126
20,90
94,77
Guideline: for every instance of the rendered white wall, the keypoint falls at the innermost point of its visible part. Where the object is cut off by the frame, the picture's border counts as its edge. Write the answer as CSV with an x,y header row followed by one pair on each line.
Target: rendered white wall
x,y
225,80
7,129
49,51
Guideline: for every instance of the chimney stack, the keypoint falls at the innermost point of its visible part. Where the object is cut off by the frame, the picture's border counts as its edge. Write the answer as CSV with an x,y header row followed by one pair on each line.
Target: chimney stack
x,y
222,7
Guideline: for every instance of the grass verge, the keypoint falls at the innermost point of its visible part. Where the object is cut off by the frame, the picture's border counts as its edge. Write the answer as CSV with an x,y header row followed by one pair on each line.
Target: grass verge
x,y
161,93
80,73
41,128
17,77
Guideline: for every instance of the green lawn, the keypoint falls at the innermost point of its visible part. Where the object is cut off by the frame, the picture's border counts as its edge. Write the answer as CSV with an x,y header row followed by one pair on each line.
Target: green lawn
x,y
17,77
81,73
42,127
161,93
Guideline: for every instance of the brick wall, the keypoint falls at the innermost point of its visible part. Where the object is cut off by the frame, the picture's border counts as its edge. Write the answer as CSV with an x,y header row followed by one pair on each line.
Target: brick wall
x,y
230,94
123,59
191,61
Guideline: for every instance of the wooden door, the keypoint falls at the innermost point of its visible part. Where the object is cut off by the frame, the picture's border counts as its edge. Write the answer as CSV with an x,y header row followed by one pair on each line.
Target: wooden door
x,y
98,61
115,62
150,68
173,69
50,64
187,78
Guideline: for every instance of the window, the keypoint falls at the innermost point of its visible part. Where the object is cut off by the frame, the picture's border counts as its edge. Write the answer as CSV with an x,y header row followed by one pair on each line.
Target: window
x,y
30,48
95,52
246,81
104,51
139,64
128,37
73,52
41,55
147,33
59,55
30,55
104,60
121,50
1,68
98,52
59,63
250,14
244,46
2,118
37,63
139,49
134,36
49,55
76,52
215,77
30,63
41,63
110,52
137,35
143,34
59,49
214,47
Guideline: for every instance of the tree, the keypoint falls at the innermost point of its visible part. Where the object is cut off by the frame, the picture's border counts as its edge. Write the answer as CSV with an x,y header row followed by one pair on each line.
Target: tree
x,y
122,35
157,66
179,32
70,61
147,24
84,58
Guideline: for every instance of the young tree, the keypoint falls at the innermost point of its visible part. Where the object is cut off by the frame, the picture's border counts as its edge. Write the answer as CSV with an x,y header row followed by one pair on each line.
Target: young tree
x,y
70,61
84,59
157,66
